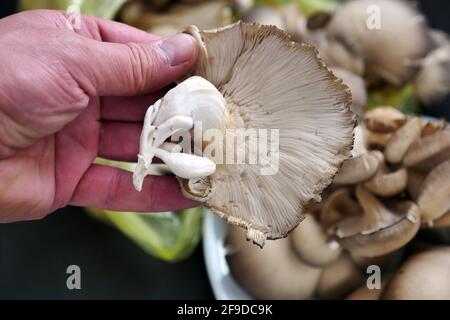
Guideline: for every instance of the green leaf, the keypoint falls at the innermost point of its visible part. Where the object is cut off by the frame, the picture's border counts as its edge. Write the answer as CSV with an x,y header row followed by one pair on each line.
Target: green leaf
x,y
170,236
309,6
403,99
105,9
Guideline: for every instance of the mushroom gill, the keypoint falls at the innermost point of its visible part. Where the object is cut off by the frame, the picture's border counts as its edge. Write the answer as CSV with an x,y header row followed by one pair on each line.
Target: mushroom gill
x,y
272,83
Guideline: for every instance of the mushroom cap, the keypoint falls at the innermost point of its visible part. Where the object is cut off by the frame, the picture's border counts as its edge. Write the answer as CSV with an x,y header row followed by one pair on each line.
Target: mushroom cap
x,y
364,293
360,168
432,84
434,195
379,230
423,276
384,120
389,52
208,14
338,206
388,184
428,152
431,127
379,140
273,272
415,181
270,82
311,244
339,278
388,262
402,139
443,221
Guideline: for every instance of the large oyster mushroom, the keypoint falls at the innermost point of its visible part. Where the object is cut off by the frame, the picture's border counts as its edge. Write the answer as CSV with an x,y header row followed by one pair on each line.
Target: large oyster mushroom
x,y
266,82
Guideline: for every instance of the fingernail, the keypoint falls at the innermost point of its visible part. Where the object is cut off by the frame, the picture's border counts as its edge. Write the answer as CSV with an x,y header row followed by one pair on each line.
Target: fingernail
x,y
179,48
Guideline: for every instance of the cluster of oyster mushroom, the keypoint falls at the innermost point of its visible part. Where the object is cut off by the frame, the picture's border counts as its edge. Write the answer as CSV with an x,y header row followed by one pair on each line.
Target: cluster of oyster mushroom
x,y
365,42
369,44
397,183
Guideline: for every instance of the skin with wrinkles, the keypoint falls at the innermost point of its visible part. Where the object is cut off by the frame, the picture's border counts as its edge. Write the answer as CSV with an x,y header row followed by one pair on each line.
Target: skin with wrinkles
x,y
68,96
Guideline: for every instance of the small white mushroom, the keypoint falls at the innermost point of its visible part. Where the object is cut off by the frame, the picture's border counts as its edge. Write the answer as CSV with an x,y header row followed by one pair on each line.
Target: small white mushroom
x,y
195,100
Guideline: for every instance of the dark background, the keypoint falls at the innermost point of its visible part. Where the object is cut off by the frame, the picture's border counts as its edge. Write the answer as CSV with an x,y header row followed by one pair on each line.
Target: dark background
x,y
34,255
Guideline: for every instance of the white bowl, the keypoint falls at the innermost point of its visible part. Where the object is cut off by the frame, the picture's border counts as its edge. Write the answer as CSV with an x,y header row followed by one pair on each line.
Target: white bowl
x,y
214,235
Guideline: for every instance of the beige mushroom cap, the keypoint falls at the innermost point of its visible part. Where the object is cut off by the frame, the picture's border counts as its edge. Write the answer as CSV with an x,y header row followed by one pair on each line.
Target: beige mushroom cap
x,y
388,184
338,206
423,276
415,181
428,152
364,293
384,120
443,221
433,81
360,168
273,272
339,278
402,139
270,82
311,244
392,52
379,230
431,127
434,196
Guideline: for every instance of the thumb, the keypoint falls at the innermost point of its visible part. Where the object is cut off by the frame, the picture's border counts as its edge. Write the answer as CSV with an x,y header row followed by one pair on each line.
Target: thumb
x,y
115,69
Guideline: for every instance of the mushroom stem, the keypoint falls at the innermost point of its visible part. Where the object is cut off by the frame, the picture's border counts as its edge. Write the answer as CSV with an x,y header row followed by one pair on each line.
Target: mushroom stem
x,y
193,101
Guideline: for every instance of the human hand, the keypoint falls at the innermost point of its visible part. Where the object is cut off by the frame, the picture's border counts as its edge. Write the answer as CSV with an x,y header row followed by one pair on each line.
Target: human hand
x,y
68,96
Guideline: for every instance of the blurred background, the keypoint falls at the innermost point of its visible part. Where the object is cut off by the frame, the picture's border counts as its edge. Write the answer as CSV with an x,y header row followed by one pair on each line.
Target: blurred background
x,y
166,263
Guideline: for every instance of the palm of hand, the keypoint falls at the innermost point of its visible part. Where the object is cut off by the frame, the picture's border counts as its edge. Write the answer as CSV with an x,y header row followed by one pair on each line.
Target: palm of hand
x,y
51,127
